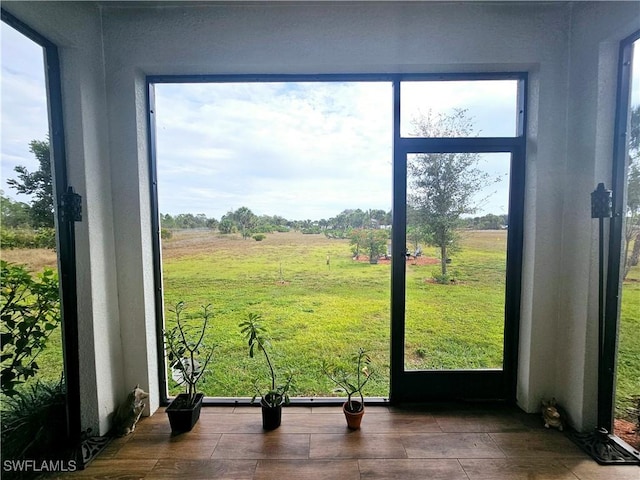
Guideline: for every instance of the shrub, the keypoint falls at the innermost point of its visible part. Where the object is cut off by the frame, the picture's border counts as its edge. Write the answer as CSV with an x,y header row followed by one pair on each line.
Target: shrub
x,y
46,238
33,424
165,234
373,241
28,238
258,237
30,312
443,279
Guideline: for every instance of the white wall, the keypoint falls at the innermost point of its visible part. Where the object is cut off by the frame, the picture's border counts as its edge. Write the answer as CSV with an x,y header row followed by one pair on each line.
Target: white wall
x,y
594,50
566,49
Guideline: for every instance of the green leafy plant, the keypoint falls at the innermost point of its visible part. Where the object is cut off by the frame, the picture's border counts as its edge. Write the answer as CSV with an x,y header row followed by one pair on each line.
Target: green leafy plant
x,y
30,312
256,335
373,241
351,380
32,421
187,352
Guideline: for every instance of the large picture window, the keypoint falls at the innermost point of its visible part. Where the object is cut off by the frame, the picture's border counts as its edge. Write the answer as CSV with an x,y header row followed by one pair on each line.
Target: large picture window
x,y
305,201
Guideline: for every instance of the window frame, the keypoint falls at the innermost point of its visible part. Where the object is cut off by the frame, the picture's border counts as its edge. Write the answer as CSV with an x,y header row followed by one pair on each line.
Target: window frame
x,y
516,145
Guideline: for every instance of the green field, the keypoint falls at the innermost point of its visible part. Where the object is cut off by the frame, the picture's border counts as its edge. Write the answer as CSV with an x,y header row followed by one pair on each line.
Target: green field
x,y
317,309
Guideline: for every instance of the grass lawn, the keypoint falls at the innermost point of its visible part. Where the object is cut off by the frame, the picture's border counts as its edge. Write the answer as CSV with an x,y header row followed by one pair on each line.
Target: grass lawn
x,y
628,366
317,302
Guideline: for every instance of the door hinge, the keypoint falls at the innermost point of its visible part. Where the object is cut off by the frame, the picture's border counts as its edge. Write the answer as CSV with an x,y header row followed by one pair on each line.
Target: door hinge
x,y
71,206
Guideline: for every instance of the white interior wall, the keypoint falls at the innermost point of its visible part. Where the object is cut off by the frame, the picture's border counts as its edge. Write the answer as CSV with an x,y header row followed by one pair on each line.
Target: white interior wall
x,y
596,32
564,47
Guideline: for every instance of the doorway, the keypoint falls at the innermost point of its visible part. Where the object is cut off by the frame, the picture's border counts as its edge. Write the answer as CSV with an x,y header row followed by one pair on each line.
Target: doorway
x,y
56,198
458,203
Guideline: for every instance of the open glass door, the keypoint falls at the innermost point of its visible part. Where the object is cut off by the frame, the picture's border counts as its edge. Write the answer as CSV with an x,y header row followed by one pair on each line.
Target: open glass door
x,y
457,238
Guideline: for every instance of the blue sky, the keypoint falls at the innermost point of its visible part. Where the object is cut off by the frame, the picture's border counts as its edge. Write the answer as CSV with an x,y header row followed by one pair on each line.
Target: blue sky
x,y
302,151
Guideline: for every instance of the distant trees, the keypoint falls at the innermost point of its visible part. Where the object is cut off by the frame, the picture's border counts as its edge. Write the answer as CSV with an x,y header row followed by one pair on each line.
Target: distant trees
x,y
30,225
14,214
489,221
443,186
38,184
187,220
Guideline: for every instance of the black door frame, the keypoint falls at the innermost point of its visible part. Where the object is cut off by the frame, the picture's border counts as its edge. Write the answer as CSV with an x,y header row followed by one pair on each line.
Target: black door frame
x,y
65,225
423,385
613,295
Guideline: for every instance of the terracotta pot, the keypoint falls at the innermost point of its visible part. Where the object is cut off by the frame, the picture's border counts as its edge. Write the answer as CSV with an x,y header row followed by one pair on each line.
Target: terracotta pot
x,y
353,418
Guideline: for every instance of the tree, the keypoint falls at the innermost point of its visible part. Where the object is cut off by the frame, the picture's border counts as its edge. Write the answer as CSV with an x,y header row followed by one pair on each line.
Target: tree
x,y
373,241
632,226
443,186
39,184
13,214
226,225
242,220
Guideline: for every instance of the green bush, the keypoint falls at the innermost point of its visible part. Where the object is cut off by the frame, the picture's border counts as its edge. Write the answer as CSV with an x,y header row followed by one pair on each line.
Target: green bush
x,y
30,312
443,279
258,237
28,238
165,233
34,425
46,238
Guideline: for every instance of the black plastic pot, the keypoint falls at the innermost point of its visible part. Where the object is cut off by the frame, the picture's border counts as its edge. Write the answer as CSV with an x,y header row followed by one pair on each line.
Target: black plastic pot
x,y
271,415
183,416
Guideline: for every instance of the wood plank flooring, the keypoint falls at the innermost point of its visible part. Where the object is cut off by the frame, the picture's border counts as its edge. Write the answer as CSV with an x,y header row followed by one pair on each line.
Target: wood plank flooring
x,y
313,443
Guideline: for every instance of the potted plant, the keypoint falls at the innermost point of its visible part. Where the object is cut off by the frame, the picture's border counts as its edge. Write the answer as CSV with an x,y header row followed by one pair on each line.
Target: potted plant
x,y
277,395
188,356
351,382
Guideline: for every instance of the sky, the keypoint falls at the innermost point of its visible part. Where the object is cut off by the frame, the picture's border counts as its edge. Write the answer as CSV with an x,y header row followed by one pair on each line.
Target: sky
x,y
302,150
298,150
23,113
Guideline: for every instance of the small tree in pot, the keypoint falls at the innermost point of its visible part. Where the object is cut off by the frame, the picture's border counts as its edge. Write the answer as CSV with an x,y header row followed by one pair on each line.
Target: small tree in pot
x,y
278,393
351,382
188,356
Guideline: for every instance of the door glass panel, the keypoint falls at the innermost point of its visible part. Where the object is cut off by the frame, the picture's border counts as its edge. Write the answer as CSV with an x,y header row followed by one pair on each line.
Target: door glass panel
x,y
27,219
627,395
483,108
457,227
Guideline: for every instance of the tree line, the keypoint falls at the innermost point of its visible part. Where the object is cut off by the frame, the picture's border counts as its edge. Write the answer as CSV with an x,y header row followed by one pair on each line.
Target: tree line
x,y
245,222
441,199
235,221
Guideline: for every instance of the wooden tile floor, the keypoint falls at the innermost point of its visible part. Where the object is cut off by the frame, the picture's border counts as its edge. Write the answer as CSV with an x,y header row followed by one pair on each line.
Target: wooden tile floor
x,y
313,443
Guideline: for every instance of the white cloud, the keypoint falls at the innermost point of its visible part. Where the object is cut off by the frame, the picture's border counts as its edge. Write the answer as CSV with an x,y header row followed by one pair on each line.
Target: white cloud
x,y
295,150
301,150
491,104
24,107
